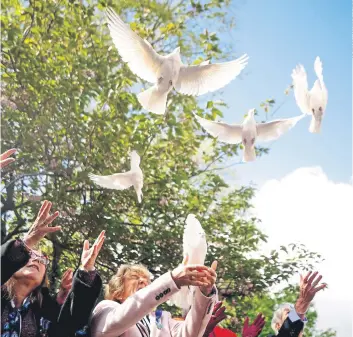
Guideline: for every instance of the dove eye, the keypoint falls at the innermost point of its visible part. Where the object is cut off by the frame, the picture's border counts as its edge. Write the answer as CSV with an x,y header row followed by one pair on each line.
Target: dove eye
x,y
320,109
170,83
244,141
253,141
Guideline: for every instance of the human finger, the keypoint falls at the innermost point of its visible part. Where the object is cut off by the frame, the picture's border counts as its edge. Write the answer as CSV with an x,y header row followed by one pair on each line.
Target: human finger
x,y
311,278
246,323
307,277
316,281
322,286
6,162
214,266
86,245
7,154
42,208
52,229
220,318
49,220
217,306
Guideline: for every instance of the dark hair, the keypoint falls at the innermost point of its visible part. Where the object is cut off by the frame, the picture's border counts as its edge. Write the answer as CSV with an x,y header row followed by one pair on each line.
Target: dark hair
x,y
36,295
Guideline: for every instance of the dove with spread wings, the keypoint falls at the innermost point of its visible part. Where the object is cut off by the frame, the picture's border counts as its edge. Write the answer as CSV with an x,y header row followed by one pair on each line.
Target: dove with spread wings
x,y
249,132
122,181
166,72
311,102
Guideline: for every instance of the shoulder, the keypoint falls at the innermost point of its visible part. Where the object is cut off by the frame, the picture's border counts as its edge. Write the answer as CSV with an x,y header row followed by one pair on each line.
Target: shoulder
x,y
105,305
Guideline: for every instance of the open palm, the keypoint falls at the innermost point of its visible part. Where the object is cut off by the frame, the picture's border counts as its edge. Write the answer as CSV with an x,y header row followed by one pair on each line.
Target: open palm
x,y
89,255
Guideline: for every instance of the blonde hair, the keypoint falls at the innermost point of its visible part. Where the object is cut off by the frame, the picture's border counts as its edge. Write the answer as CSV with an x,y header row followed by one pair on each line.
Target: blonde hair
x,y
116,286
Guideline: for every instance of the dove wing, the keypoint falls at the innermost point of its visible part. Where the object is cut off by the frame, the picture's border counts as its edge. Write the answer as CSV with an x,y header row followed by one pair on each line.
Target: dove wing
x,y
200,79
272,130
118,181
323,91
227,133
301,93
142,59
318,69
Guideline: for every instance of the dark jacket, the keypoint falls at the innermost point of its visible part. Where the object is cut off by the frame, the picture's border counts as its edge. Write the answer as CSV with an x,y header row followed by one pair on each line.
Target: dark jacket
x,y
64,320
290,329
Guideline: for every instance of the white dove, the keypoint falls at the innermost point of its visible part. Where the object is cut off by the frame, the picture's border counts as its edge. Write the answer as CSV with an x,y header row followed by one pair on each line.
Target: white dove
x,y
249,132
122,181
166,72
311,102
195,248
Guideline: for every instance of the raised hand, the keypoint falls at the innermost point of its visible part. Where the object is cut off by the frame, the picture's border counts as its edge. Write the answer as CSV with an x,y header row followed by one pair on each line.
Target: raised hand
x,y
65,286
218,315
40,226
89,255
190,275
308,288
211,277
4,160
254,329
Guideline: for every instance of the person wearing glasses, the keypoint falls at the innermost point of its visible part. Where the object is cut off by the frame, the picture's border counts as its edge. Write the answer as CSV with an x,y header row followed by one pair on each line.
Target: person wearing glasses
x,y
27,308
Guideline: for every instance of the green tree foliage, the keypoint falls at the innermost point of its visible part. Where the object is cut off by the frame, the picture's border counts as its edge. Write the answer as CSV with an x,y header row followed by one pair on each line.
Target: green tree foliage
x,y
69,107
267,303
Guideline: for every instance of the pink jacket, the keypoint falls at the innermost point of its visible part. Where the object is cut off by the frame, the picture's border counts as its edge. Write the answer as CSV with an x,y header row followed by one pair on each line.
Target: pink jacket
x,y
111,319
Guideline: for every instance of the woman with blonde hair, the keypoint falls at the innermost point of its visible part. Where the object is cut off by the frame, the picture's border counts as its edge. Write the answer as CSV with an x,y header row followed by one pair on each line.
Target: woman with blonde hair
x,y
130,300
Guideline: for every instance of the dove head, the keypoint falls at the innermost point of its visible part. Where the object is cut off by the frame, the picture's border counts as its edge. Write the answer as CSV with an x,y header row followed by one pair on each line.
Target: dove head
x,y
251,113
194,235
176,50
135,159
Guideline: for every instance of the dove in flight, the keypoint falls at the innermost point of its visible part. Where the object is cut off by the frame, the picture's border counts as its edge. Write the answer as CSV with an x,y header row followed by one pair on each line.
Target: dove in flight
x,y
122,181
167,71
249,132
195,250
311,102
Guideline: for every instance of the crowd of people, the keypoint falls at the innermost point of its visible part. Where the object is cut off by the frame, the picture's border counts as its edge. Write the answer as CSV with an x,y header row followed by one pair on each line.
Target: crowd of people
x,y
131,304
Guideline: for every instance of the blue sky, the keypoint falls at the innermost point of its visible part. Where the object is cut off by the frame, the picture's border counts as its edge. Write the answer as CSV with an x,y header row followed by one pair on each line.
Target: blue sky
x,y
277,35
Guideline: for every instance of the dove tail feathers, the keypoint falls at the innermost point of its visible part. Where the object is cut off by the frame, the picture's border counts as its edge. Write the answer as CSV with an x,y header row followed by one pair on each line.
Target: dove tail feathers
x,y
153,100
249,153
315,125
182,299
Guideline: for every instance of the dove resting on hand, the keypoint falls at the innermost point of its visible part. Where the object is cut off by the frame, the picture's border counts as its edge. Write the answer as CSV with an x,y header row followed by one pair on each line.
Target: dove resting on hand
x,y
311,102
249,132
122,181
195,250
168,71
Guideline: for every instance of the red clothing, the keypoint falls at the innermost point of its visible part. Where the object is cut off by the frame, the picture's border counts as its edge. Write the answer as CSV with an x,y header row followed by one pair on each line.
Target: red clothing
x,y
220,332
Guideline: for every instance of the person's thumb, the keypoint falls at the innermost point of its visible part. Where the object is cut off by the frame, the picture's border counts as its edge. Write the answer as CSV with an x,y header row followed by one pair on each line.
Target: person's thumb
x,y
214,265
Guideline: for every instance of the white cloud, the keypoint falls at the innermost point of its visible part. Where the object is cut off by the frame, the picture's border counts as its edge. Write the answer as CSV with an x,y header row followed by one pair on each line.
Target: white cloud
x,y
305,206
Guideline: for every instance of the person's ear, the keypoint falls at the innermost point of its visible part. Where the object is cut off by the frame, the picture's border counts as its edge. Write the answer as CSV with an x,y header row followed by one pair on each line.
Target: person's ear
x,y
115,296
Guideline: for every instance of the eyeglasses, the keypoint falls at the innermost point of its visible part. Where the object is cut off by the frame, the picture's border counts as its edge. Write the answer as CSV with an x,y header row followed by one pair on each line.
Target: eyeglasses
x,y
43,259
